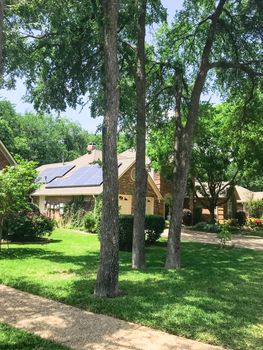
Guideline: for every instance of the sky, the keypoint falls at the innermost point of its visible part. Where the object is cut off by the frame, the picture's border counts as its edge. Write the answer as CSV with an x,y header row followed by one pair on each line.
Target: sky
x,y
79,115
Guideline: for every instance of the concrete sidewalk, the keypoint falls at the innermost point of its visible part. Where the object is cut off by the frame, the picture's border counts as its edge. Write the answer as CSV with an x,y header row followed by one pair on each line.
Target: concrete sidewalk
x,y
250,242
80,329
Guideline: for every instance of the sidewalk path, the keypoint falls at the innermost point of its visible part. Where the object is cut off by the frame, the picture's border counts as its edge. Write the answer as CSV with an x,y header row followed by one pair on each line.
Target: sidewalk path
x,y
250,242
80,329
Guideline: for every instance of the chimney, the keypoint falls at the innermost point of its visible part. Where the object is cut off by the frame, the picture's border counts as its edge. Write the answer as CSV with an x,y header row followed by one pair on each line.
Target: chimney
x,y
91,147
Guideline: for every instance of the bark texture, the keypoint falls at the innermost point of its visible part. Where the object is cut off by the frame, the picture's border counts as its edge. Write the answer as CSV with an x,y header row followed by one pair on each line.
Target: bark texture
x,y
184,144
107,277
2,7
138,256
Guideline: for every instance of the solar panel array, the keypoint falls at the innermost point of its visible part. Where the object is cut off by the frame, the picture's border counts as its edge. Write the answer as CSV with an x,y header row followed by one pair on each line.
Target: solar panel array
x,y
48,175
82,177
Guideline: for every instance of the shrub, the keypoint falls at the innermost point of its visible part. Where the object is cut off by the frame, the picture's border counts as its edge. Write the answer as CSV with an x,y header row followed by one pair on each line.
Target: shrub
x,y
97,214
89,222
206,227
197,215
187,217
125,232
241,217
74,213
255,208
28,226
231,222
224,234
154,226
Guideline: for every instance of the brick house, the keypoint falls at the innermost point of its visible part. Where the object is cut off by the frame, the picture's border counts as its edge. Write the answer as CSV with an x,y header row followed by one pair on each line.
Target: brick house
x,y
62,182
5,157
236,202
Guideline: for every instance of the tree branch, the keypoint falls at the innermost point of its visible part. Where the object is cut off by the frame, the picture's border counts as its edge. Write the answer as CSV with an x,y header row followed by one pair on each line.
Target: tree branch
x,y
236,65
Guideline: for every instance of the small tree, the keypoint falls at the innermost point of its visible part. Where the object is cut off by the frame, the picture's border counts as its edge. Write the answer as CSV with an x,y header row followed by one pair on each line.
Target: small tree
x,y
16,184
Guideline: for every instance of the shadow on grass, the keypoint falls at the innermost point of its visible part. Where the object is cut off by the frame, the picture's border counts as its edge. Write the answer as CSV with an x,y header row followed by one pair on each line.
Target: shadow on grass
x,y
215,297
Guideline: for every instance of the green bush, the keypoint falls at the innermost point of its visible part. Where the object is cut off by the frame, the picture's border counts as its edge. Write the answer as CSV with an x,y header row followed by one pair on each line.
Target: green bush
x,y
97,214
125,232
206,227
224,234
241,218
27,226
154,226
74,213
89,222
255,208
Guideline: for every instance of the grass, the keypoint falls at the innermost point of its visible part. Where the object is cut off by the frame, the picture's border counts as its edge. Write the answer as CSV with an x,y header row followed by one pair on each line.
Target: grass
x,y
14,339
216,297
257,233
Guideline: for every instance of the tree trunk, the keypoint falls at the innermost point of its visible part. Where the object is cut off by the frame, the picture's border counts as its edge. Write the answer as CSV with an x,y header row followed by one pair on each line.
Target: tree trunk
x,y
212,214
2,7
138,256
183,146
1,230
107,277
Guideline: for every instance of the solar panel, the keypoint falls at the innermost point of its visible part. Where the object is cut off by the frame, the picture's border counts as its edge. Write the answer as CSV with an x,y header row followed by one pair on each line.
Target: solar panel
x,y
84,176
50,174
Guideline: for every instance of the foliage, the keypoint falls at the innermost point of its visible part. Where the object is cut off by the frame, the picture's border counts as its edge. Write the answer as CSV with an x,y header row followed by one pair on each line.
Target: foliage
x,y
27,226
125,232
74,213
187,217
255,208
206,227
89,222
241,217
16,184
154,226
224,235
97,214
227,282
41,137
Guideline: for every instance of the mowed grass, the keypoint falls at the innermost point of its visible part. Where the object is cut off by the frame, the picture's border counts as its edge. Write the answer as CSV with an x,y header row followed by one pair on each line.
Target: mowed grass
x,y
15,339
216,297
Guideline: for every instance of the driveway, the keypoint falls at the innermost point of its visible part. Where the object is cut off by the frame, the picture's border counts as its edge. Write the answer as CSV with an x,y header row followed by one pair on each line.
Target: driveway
x,y
250,242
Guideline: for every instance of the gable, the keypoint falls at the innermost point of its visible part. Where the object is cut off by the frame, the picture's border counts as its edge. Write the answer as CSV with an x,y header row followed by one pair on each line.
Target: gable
x,y
5,157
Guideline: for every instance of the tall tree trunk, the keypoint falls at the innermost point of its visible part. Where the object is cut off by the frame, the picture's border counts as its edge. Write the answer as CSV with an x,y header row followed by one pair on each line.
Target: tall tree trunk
x,y
138,258
2,7
1,230
107,277
183,147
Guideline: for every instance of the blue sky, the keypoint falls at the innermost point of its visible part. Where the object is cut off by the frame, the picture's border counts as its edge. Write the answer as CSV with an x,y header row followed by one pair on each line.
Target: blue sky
x,y
82,116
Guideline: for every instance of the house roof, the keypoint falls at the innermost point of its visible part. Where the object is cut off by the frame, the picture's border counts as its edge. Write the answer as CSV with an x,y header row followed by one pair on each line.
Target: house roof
x,y
6,154
126,161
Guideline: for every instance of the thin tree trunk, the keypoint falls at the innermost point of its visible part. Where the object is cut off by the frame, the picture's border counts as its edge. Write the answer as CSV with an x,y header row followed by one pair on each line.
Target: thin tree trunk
x,y
183,147
1,230
2,7
107,277
212,214
138,256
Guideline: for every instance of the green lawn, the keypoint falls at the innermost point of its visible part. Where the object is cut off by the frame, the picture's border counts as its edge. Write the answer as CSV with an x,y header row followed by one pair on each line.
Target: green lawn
x,y
15,339
216,297
257,233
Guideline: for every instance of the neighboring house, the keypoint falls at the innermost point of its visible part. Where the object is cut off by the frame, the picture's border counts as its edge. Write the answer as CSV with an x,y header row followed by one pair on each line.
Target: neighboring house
x,y
229,206
5,157
83,177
